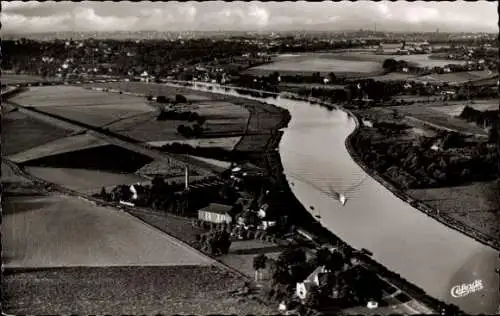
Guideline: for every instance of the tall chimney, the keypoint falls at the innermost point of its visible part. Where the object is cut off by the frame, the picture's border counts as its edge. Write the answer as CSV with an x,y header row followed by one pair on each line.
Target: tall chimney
x,y
186,178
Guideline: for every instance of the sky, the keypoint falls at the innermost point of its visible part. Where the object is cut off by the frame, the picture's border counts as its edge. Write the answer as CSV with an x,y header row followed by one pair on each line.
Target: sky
x,y
457,16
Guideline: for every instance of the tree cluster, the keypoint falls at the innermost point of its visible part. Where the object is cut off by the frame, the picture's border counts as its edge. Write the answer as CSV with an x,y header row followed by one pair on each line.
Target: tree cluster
x,y
216,242
180,116
167,197
481,118
196,130
412,166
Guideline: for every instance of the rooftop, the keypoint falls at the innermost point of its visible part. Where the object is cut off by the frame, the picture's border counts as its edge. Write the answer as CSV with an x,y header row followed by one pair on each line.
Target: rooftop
x,y
216,208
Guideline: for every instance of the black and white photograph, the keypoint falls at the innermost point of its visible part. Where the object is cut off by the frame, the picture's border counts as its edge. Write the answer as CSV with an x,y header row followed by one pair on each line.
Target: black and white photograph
x,y
250,158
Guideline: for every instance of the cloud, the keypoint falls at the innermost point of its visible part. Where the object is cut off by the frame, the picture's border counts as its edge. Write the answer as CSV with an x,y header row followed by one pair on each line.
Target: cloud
x,y
29,17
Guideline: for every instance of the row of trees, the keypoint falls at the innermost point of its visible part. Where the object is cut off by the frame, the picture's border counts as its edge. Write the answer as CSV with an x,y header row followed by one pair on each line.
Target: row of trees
x,y
215,243
417,166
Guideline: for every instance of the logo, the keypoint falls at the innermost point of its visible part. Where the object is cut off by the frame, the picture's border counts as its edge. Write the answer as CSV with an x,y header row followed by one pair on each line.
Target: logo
x,y
459,291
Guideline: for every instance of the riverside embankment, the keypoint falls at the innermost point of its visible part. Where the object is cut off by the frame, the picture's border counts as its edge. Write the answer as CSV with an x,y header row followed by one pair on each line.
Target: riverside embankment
x,y
430,255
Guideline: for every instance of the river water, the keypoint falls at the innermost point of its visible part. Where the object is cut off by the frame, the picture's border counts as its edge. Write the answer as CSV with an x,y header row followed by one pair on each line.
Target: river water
x,y
406,241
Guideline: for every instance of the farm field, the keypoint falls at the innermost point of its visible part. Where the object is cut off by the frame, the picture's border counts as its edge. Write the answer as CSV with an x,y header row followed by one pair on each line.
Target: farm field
x,y
146,128
83,180
475,204
226,143
455,78
354,62
455,108
86,106
59,146
153,89
70,96
321,62
21,132
431,116
186,290
86,235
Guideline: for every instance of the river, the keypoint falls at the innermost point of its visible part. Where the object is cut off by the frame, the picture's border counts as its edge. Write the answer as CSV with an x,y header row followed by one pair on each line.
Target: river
x,y
422,250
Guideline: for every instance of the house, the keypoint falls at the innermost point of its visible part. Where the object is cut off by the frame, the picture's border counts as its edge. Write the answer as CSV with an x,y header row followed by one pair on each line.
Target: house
x,y
216,213
263,210
247,219
303,288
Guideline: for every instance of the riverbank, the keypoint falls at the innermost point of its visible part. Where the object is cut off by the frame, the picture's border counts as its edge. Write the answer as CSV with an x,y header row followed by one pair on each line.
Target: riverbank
x,y
306,221
417,204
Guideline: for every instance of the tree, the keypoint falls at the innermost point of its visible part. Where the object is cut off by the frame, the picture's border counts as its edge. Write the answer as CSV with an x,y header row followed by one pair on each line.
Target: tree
x,y
103,193
332,77
259,263
390,64
179,98
292,256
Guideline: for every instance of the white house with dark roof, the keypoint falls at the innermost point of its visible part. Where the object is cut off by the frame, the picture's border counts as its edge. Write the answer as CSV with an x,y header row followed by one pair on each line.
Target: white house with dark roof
x,y
216,213
303,288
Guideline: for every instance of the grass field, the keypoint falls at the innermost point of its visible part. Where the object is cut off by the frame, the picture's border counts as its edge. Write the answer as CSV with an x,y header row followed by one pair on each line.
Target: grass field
x,y
85,235
184,290
83,180
475,204
21,132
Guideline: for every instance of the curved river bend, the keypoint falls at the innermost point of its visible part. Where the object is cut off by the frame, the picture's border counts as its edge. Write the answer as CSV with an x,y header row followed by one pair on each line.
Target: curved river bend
x,y
405,240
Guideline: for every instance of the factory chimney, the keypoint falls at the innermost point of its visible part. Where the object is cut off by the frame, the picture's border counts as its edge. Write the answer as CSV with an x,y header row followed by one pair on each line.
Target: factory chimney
x,y
186,178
